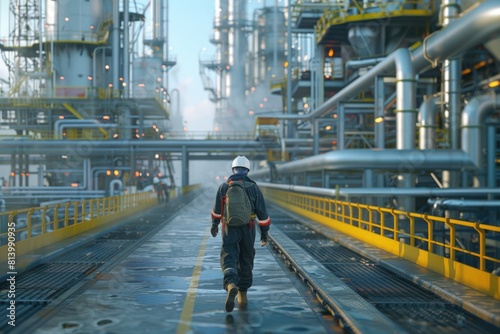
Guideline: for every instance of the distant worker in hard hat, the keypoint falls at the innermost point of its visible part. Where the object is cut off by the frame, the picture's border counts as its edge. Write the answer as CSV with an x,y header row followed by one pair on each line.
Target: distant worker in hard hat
x,y
166,191
238,236
158,189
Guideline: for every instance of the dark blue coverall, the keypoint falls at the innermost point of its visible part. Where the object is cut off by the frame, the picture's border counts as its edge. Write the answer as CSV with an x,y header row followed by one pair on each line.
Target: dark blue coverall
x,y
238,252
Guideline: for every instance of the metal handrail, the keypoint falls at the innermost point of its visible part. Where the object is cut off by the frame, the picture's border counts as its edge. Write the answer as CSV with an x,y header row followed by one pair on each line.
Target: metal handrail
x,y
32,222
357,9
441,236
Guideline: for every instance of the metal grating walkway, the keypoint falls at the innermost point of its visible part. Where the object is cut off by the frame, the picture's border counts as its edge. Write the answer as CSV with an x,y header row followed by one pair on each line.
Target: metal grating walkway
x,y
411,306
45,282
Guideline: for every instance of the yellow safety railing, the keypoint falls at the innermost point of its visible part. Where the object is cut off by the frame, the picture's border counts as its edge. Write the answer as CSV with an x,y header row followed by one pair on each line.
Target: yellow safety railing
x,y
29,229
357,10
189,188
461,250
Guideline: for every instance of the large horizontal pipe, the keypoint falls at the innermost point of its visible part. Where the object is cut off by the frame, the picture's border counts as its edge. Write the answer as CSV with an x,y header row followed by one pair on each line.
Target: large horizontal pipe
x,y
91,147
464,204
403,161
476,26
384,192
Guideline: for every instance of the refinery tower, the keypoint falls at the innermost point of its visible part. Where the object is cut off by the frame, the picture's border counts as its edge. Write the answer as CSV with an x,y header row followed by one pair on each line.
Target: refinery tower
x,y
83,72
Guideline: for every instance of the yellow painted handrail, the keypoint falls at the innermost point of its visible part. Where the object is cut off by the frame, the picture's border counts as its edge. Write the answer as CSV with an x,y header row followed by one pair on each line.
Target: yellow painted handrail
x,y
355,11
32,222
461,250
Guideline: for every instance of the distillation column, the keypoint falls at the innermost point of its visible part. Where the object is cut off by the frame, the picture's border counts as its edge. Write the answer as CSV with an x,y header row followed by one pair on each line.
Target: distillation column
x,y
232,52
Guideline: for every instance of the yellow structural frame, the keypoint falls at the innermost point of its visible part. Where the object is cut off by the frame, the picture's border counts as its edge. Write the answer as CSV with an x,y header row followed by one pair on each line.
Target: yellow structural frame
x,y
367,224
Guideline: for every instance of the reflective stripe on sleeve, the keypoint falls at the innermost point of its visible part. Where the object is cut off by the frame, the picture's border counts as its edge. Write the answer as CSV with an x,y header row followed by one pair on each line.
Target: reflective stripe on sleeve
x,y
265,222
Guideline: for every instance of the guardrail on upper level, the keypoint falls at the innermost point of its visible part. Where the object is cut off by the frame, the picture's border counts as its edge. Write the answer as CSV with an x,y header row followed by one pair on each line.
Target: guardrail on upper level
x,y
356,11
464,251
26,230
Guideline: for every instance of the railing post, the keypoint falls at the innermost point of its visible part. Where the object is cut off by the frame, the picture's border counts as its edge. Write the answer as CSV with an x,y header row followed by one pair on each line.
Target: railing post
x,y
452,242
482,246
28,223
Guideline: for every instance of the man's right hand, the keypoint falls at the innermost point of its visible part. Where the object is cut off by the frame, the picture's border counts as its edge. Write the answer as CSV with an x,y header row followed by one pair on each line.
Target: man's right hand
x,y
214,230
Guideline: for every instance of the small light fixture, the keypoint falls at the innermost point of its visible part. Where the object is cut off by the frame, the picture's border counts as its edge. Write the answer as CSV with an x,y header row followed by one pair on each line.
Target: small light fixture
x,y
494,84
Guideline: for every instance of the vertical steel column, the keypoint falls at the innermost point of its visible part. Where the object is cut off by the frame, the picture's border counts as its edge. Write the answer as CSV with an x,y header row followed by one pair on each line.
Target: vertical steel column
x,y
379,127
126,54
406,102
491,143
12,180
289,108
490,155
321,74
379,112
314,83
368,183
40,176
20,174
26,169
316,136
405,119
275,32
133,162
340,126
165,45
116,43
451,78
185,166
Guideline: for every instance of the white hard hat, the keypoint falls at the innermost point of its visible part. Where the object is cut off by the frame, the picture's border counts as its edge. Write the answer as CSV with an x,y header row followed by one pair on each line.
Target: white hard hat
x,y
241,161
156,180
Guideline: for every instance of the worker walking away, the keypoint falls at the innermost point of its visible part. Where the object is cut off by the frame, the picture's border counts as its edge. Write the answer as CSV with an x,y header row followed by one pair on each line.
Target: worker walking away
x,y
158,189
166,191
239,205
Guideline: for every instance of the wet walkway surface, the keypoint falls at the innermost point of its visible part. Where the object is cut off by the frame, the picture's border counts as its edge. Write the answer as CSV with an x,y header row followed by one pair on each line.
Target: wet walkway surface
x,y
173,283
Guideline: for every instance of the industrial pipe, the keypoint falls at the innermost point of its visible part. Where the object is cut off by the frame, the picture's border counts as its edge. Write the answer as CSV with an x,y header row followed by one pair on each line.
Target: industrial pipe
x,y
473,116
403,161
461,204
383,192
427,123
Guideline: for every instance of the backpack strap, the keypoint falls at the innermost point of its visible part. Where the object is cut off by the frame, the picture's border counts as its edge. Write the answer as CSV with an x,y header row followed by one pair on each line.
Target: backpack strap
x,y
222,204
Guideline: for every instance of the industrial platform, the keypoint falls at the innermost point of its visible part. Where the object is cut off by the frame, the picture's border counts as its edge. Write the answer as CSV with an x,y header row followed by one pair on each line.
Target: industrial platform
x,y
172,282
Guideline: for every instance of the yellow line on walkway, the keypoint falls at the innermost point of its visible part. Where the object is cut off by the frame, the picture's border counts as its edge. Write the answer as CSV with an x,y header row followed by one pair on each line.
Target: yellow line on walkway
x,y
187,310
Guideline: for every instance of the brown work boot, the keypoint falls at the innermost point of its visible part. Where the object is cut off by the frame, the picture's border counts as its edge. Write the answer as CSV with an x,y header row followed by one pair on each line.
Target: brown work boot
x,y
242,299
232,291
